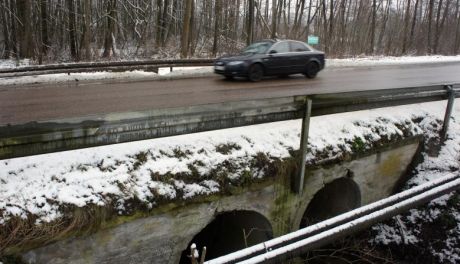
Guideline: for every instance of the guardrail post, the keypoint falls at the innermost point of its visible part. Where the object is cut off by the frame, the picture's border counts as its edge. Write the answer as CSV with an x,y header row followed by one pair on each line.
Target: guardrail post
x,y
450,106
303,145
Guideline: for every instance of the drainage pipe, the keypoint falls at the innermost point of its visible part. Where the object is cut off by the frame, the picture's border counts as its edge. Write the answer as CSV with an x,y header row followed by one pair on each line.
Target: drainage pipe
x,y
330,223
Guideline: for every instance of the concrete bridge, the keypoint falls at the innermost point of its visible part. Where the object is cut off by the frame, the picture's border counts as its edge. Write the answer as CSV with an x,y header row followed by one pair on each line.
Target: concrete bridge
x,y
239,217
242,218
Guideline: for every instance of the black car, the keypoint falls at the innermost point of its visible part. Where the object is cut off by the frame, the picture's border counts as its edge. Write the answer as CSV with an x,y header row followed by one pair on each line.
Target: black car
x,y
272,57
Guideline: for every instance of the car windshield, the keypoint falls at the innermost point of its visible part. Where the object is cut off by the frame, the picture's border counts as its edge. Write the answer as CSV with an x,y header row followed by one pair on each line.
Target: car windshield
x,y
258,47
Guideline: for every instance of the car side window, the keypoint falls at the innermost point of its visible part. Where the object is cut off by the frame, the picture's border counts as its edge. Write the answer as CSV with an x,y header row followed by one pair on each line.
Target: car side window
x,y
281,47
298,47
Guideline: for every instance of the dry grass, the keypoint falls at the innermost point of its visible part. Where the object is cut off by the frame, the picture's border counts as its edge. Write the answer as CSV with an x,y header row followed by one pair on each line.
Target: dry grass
x,y
18,235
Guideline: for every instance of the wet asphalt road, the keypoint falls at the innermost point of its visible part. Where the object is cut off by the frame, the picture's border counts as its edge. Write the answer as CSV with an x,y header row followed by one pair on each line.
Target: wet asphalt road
x,y
22,104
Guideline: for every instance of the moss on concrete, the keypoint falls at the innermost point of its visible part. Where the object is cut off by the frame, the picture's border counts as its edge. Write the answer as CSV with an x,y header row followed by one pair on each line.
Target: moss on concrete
x,y
391,165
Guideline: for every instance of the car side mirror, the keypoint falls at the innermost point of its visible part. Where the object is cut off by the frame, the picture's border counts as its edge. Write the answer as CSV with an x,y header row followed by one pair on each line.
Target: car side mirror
x,y
272,52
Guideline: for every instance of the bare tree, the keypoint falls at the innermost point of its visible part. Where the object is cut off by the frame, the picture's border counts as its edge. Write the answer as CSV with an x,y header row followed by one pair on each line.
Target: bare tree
x,y
373,26
456,45
440,24
414,22
86,38
165,28
185,40
111,18
44,27
6,34
250,22
26,47
406,27
72,31
430,21
274,20
217,9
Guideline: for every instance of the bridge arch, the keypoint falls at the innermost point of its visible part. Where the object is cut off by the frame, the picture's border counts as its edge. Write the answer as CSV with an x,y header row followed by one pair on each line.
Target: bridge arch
x,y
229,232
336,197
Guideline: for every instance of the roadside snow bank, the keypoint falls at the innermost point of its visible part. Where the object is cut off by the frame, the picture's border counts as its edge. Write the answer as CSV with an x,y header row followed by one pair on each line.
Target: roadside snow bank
x,y
384,60
190,72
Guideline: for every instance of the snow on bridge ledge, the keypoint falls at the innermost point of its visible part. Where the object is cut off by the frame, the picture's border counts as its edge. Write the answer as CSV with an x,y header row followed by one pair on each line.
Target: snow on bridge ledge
x,y
154,170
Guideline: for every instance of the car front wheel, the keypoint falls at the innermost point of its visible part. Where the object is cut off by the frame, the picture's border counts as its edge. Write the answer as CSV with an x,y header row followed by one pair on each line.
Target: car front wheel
x,y
312,70
256,72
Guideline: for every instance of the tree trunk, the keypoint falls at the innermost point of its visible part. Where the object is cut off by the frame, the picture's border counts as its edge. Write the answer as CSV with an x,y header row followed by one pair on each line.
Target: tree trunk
x,y
414,21
44,27
309,18
237,20
430,20
406,27
374,16
384,27
72,33
185,39
6,34
24,14
324,14
440,26
164,23
216,27
457,30
86,38
343,26
298,21
436,29
191,46
274,14
110,29
159,23
330,37
250,23
14,32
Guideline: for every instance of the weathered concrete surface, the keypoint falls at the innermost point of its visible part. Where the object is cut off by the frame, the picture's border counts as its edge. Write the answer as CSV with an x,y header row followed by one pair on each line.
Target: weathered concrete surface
x,y
157,239
161,238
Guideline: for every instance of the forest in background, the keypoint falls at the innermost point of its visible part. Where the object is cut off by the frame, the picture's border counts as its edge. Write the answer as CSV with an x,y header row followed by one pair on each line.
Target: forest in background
x,y
84,30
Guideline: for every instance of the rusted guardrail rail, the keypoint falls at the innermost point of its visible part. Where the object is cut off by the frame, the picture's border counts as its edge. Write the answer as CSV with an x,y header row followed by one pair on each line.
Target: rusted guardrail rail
x,y
116,66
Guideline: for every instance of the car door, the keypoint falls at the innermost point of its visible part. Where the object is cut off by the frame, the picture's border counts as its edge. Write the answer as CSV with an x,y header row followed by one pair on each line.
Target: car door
x,y
299,56
278,59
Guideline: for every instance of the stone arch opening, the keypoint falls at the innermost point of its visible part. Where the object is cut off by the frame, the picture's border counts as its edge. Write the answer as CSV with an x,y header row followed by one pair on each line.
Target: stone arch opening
x,y
229,232
337,197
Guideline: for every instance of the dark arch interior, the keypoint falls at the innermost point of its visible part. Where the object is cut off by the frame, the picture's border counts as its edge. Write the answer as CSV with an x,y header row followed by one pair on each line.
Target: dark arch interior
x,y
337,197
226,234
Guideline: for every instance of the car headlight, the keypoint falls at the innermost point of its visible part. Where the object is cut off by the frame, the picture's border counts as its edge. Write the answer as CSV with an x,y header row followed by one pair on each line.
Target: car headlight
x,y
234,63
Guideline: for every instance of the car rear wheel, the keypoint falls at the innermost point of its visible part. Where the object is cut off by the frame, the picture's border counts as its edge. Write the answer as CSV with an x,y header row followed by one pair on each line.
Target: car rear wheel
x,y
312,70
256,72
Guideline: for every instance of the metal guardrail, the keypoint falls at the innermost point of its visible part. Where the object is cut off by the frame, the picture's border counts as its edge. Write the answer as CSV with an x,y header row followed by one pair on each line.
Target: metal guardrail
x,y
74,133
147,65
